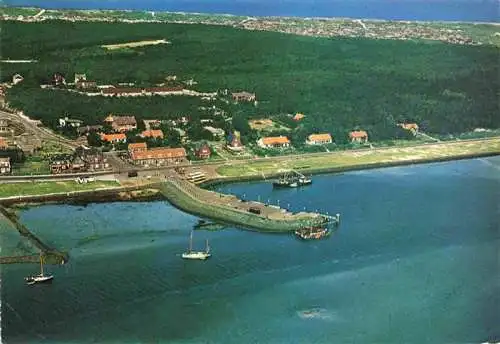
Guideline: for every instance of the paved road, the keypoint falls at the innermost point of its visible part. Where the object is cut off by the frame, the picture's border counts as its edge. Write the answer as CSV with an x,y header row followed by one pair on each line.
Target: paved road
x,y
42,133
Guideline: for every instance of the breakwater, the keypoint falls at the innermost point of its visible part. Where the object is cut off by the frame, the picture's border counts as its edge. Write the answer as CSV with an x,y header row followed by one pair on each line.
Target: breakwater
x,y
229,209
52,256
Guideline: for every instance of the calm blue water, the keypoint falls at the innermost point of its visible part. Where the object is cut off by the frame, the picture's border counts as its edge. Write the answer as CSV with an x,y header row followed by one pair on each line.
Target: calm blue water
x,y
415,260
449,10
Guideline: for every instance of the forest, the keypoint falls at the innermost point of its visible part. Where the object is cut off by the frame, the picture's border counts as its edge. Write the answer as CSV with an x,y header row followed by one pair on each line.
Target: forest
x,y
340,84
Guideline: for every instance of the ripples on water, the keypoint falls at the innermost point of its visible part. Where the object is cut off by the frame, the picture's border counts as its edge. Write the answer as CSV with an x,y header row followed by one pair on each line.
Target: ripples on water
x,y
413,260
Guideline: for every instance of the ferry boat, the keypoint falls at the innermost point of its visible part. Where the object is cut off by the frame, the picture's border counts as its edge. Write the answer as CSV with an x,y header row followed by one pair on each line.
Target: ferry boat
x,y
199,255
313,233
41,278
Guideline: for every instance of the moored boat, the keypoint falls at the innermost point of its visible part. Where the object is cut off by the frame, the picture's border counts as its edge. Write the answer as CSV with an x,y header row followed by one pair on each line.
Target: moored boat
x,y
41,278
313,233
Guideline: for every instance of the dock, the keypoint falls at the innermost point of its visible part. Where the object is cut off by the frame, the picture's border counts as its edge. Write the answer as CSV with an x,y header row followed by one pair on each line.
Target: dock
x,y
229,209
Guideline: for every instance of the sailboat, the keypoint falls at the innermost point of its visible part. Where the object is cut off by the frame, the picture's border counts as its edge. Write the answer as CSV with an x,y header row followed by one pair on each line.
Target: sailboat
x,y
200,255
41,278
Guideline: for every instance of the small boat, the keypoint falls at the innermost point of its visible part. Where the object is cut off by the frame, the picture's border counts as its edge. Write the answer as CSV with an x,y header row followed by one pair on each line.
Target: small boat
x,y
304,181
41,278
292,179
200,255
313,233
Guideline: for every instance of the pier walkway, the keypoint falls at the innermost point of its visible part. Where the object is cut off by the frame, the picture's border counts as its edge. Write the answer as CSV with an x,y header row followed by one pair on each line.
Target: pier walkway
x,y
230,209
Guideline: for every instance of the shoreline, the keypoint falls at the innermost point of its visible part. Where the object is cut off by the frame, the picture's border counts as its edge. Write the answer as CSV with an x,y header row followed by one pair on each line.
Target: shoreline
x,y
151,192
251,17
352,168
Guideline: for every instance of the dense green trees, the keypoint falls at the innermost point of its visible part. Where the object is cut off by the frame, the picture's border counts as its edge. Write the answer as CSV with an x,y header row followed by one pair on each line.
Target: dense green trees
x,y
340,84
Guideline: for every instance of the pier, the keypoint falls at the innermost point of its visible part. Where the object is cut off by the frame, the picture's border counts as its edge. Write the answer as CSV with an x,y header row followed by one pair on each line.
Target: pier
x,y
229,209
52,256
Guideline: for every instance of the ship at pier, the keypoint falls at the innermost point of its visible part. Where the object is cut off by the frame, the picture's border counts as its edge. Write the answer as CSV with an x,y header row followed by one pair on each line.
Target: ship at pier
x,y
292,179
318,232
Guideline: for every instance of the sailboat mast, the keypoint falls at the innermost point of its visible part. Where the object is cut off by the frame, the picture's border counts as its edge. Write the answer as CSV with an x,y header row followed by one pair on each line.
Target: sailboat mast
x,y
191,242
207,249
41,265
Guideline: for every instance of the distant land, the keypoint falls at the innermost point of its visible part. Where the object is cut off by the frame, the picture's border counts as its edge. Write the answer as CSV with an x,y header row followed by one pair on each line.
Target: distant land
x,y
420,10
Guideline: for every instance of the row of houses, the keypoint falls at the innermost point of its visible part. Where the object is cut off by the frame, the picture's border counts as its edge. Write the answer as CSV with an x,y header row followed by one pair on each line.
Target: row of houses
x,y
357,136
84,159
140,154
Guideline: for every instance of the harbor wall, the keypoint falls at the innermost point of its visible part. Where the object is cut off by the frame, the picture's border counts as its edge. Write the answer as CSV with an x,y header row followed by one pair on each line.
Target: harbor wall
x,y
179,197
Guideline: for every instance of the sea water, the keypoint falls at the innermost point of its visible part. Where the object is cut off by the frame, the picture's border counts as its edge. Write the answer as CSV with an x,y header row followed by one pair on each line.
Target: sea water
x,y
449,10
414,260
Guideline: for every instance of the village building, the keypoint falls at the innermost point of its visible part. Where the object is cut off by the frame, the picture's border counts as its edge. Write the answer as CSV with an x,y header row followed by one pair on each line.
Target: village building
x,y
234,142
93,159
114,138
80,77
58,79
3,144
274,142
16,79
244,96
152,133
86,85
121,123
203,152
298,117
61,164
88,128
218,133
159,156
319,139
5,166
68,122
162,90
413,127
138,146
152,123
5,128
118,92
358,136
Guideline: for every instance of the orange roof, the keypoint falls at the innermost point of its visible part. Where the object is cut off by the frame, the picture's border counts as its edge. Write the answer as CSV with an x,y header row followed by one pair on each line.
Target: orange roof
x,y
298,116
152,133
275,140
409,126
138,145
113,137
320,137
159,153
358,134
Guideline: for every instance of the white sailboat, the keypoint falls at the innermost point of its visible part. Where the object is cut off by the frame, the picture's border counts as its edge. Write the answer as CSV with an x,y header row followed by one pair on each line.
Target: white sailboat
x,y
200,255
41,278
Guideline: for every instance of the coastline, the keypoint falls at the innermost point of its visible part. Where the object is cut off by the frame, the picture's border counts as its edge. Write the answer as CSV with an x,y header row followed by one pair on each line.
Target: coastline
x,y
248,17
151,191
336,170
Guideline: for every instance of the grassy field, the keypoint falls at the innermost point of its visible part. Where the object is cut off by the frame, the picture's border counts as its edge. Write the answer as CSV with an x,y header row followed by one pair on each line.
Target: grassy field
x,y
41,188
358,158
134,44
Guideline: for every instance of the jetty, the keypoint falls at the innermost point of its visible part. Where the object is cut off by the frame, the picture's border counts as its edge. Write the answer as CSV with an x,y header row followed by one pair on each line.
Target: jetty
x,y
229,209
51,255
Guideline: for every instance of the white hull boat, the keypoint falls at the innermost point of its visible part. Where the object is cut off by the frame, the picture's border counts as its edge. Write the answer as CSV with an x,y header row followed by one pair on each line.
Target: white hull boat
x,y
197,255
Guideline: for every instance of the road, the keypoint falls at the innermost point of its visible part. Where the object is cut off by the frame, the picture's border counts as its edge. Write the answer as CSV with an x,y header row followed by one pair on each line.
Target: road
x,y
42,133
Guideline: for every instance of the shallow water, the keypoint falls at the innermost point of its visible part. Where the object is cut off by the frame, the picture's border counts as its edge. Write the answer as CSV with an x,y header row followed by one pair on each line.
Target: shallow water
x,y
414,260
